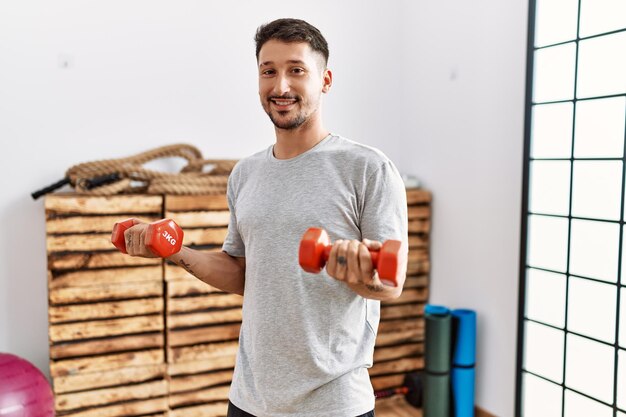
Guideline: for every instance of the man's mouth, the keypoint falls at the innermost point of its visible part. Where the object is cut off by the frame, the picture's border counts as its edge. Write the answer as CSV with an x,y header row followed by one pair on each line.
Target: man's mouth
x,y
283,103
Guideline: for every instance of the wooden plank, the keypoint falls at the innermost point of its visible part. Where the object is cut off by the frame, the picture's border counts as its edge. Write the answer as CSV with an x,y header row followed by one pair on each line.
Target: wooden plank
x,y
417,196
200,218
205,365
417,255
105,292
135,408
201,352
64,204
90,224
419,226
76,400
418,267
479,412
418,241
402,365
79,242
386,339
219,393
108,345
213,236
106,362
217,409
415,282
203,302
123,376
108,327
401,311
419,212
189,286
401,325
387,381
196,202
204,318
410,295
86,260
195,382
113,309
204,334
396,406
398,351
91,277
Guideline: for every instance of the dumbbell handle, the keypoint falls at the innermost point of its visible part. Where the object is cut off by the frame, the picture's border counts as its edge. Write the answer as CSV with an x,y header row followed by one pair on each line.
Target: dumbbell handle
x,y
373,254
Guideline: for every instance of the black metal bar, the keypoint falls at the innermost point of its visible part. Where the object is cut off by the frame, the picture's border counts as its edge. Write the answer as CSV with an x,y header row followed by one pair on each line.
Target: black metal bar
x,y
521,307
619,277
597,35
573,100
50,188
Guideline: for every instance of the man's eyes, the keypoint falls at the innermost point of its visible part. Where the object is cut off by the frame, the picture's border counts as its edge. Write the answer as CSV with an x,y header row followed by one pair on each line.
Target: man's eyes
x,y
271,72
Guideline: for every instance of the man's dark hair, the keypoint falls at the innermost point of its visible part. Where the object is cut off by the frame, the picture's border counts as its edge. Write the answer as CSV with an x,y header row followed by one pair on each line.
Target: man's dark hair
x,y
292,30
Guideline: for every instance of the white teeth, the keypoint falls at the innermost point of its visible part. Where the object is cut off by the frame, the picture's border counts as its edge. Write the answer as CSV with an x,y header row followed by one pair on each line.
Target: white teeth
x,y
283,103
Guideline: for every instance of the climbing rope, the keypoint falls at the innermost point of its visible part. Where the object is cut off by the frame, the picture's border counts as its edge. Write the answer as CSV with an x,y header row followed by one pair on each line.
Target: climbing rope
x,y
128,175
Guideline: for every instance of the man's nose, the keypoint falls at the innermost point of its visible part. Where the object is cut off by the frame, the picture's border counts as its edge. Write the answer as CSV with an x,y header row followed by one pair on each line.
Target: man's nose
x,y
281,86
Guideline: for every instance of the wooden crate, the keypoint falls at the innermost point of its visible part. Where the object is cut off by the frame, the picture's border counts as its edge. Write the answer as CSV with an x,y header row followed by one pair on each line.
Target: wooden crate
x,y
136,337
106,327
400,342
202,322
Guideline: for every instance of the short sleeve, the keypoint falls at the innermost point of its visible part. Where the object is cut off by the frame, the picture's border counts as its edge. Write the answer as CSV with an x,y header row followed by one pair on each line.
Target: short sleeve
x,y
233,244
384,208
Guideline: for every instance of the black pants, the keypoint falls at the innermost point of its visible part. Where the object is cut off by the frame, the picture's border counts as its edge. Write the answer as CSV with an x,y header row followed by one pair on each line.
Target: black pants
x,y
233,411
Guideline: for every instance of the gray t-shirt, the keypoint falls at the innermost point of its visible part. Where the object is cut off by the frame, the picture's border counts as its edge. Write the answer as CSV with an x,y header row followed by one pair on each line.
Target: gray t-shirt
x,y
307,340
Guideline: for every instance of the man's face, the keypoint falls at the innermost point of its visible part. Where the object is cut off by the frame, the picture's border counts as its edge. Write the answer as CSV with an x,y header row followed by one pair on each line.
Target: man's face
x,y
292,78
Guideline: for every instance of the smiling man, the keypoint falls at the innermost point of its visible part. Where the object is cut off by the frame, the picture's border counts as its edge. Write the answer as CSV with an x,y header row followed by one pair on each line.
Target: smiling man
x,y
306,341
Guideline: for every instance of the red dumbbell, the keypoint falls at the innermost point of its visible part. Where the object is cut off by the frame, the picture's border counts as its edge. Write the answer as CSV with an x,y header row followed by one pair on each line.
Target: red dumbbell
x,y
315,249
164,237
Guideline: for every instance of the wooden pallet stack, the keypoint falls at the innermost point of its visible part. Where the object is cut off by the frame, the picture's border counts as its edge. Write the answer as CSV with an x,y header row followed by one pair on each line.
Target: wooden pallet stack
x,y
106,327
136,337
400,342
203,322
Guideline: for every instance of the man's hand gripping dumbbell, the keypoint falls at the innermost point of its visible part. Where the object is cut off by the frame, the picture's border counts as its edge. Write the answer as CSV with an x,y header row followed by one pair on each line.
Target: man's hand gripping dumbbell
x,y
162,238
353,261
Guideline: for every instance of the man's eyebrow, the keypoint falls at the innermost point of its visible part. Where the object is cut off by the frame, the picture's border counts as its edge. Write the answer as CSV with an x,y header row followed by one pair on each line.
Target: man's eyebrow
x,y
291,61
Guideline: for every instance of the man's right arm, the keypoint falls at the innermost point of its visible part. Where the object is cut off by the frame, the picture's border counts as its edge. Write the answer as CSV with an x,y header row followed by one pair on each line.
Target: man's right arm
x,y
218,269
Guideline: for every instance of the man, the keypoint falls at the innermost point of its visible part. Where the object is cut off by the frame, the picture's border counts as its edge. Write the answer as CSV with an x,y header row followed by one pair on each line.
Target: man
x,y
306,340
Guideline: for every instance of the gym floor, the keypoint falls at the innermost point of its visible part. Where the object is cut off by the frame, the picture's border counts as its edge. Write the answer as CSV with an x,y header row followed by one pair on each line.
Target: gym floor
x,y
396,407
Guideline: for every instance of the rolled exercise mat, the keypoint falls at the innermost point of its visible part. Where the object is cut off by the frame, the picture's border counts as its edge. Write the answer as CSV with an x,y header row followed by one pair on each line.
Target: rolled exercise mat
x,y
437,395
463,361
437,358
463,391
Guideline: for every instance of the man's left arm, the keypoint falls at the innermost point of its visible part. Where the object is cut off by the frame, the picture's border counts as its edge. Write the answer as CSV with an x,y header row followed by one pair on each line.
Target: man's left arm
x,y
383,217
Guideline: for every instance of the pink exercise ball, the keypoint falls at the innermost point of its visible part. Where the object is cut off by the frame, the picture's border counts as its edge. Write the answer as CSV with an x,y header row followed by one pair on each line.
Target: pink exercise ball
x,y
24,390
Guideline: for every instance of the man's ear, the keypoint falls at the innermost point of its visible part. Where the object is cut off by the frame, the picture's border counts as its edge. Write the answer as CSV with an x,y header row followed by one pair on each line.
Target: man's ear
x,y
327,78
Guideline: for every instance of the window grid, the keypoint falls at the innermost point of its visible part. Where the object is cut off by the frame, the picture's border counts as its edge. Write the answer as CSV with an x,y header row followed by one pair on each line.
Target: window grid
x,y
524,267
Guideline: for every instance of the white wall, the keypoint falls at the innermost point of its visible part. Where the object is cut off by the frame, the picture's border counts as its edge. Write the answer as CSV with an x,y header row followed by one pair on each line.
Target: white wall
x,y
146,73
464,85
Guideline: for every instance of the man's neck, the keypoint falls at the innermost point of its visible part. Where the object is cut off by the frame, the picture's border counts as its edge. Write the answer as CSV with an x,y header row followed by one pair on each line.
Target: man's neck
x,y
291,143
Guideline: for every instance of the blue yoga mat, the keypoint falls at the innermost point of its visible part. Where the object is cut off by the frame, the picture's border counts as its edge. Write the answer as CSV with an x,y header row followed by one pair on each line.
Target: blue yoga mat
x,y
463,392
463,362
464,325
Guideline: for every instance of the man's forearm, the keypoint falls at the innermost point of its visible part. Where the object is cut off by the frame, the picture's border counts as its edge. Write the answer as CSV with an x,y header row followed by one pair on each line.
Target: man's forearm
x,y
376,291
217,269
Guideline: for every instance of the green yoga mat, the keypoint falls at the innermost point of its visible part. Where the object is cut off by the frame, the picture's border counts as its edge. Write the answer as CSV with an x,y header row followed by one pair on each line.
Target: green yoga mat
x,y
437,395
437,361
437,355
